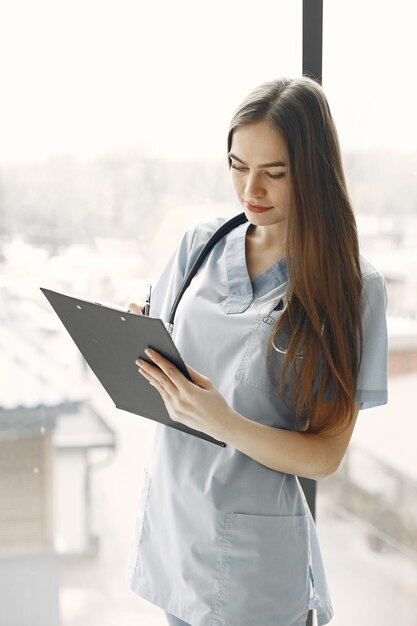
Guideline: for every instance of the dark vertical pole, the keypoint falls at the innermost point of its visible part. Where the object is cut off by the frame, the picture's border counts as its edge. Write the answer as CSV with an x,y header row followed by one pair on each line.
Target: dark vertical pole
x,y
312,67
313,39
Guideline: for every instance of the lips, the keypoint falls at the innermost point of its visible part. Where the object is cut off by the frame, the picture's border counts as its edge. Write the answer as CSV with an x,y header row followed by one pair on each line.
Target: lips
x,y
256,208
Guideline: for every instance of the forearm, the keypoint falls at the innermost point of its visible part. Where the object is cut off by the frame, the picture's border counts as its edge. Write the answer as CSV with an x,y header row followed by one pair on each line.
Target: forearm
x,y
291,452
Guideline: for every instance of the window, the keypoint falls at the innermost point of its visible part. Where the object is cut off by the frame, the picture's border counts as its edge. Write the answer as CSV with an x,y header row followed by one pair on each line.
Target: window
x,y
114,123
368,60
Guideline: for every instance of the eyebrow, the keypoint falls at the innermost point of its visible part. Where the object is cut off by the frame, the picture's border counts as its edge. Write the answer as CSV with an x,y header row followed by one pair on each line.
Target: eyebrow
x,y
273,164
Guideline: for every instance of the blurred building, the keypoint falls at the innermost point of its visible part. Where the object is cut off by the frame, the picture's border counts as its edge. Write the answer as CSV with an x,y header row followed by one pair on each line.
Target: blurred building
x,y
48,434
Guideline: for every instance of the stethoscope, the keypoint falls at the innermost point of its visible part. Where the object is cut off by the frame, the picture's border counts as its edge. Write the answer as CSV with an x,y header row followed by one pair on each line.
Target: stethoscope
x,y
221,232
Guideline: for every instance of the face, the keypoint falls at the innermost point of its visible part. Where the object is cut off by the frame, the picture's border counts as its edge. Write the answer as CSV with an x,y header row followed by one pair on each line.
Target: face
x,y
259,169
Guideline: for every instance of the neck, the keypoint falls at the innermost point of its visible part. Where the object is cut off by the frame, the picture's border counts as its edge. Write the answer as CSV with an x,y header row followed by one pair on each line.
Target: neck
x,y
268,238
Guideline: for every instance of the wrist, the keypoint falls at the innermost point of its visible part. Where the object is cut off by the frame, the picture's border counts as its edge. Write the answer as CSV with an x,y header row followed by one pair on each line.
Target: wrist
x,y
231,426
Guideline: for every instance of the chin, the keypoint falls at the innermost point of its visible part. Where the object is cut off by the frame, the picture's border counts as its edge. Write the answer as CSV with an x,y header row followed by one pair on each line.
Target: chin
x,y
263,219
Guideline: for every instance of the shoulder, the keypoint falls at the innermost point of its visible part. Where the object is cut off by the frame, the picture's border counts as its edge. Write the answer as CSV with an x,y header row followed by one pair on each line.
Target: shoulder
x,y
373,282
198,234
204,230
368,271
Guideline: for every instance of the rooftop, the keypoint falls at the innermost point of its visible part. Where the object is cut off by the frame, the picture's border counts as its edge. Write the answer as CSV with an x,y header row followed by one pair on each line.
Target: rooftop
x,y
38,365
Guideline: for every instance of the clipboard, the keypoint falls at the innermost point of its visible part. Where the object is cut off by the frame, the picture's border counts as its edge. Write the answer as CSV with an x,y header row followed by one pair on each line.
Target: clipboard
x,y
110,340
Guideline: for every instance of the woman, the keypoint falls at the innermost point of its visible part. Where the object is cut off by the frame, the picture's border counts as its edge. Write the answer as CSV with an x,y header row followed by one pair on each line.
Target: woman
x,y
283,330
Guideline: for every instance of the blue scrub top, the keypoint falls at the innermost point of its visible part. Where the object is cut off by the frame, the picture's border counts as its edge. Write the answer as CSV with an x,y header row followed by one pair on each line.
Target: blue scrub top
x,y
222,540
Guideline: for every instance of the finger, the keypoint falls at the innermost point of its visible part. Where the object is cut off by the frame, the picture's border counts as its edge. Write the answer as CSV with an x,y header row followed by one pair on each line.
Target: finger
x,y
197,378
136,308
155,383
155,376
171,372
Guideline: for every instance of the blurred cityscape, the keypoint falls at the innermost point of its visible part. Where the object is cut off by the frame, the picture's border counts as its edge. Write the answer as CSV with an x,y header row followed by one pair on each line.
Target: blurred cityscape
x,y
70,463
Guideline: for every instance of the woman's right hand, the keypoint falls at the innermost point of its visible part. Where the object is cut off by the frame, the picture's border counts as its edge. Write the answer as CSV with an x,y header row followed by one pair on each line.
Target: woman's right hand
x,y
137,309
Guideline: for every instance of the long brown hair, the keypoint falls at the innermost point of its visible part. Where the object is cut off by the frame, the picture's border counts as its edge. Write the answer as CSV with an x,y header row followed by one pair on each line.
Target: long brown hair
x,y
322,318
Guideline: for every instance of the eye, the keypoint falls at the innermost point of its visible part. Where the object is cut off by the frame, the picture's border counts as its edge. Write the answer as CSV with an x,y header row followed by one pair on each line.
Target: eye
x,y
239,168
275,176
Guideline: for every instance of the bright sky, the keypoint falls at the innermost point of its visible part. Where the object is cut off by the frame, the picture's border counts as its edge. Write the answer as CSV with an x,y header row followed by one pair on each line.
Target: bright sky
x,y
369,59
164,77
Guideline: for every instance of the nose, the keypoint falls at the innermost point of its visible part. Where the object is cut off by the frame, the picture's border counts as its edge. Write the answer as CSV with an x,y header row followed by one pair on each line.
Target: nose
x,y
254,187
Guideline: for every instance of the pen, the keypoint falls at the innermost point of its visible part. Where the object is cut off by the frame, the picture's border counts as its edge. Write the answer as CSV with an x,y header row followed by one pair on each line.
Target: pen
x,y
148,299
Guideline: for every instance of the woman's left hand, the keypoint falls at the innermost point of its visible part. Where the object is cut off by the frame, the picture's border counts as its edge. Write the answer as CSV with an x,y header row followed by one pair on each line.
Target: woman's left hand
x,y
195,403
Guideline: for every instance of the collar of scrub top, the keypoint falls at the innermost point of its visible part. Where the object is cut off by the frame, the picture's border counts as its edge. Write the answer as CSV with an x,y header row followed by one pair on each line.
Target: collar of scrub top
x,y
242,291
240,296
221,232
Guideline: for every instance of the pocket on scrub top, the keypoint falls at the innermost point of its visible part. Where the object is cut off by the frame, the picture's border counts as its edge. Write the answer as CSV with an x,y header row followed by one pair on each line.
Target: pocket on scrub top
x,y
264,571
140,519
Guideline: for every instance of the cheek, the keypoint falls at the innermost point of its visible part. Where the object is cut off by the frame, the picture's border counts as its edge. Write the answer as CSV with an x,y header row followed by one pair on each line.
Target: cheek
x,y
282,195
238,183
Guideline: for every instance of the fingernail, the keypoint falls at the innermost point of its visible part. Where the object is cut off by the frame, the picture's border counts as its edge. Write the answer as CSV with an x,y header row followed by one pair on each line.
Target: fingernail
x,y
148,351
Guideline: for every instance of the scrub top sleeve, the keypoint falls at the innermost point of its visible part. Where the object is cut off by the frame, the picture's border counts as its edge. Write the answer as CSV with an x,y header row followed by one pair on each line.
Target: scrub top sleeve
x,y
371,389
165,289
